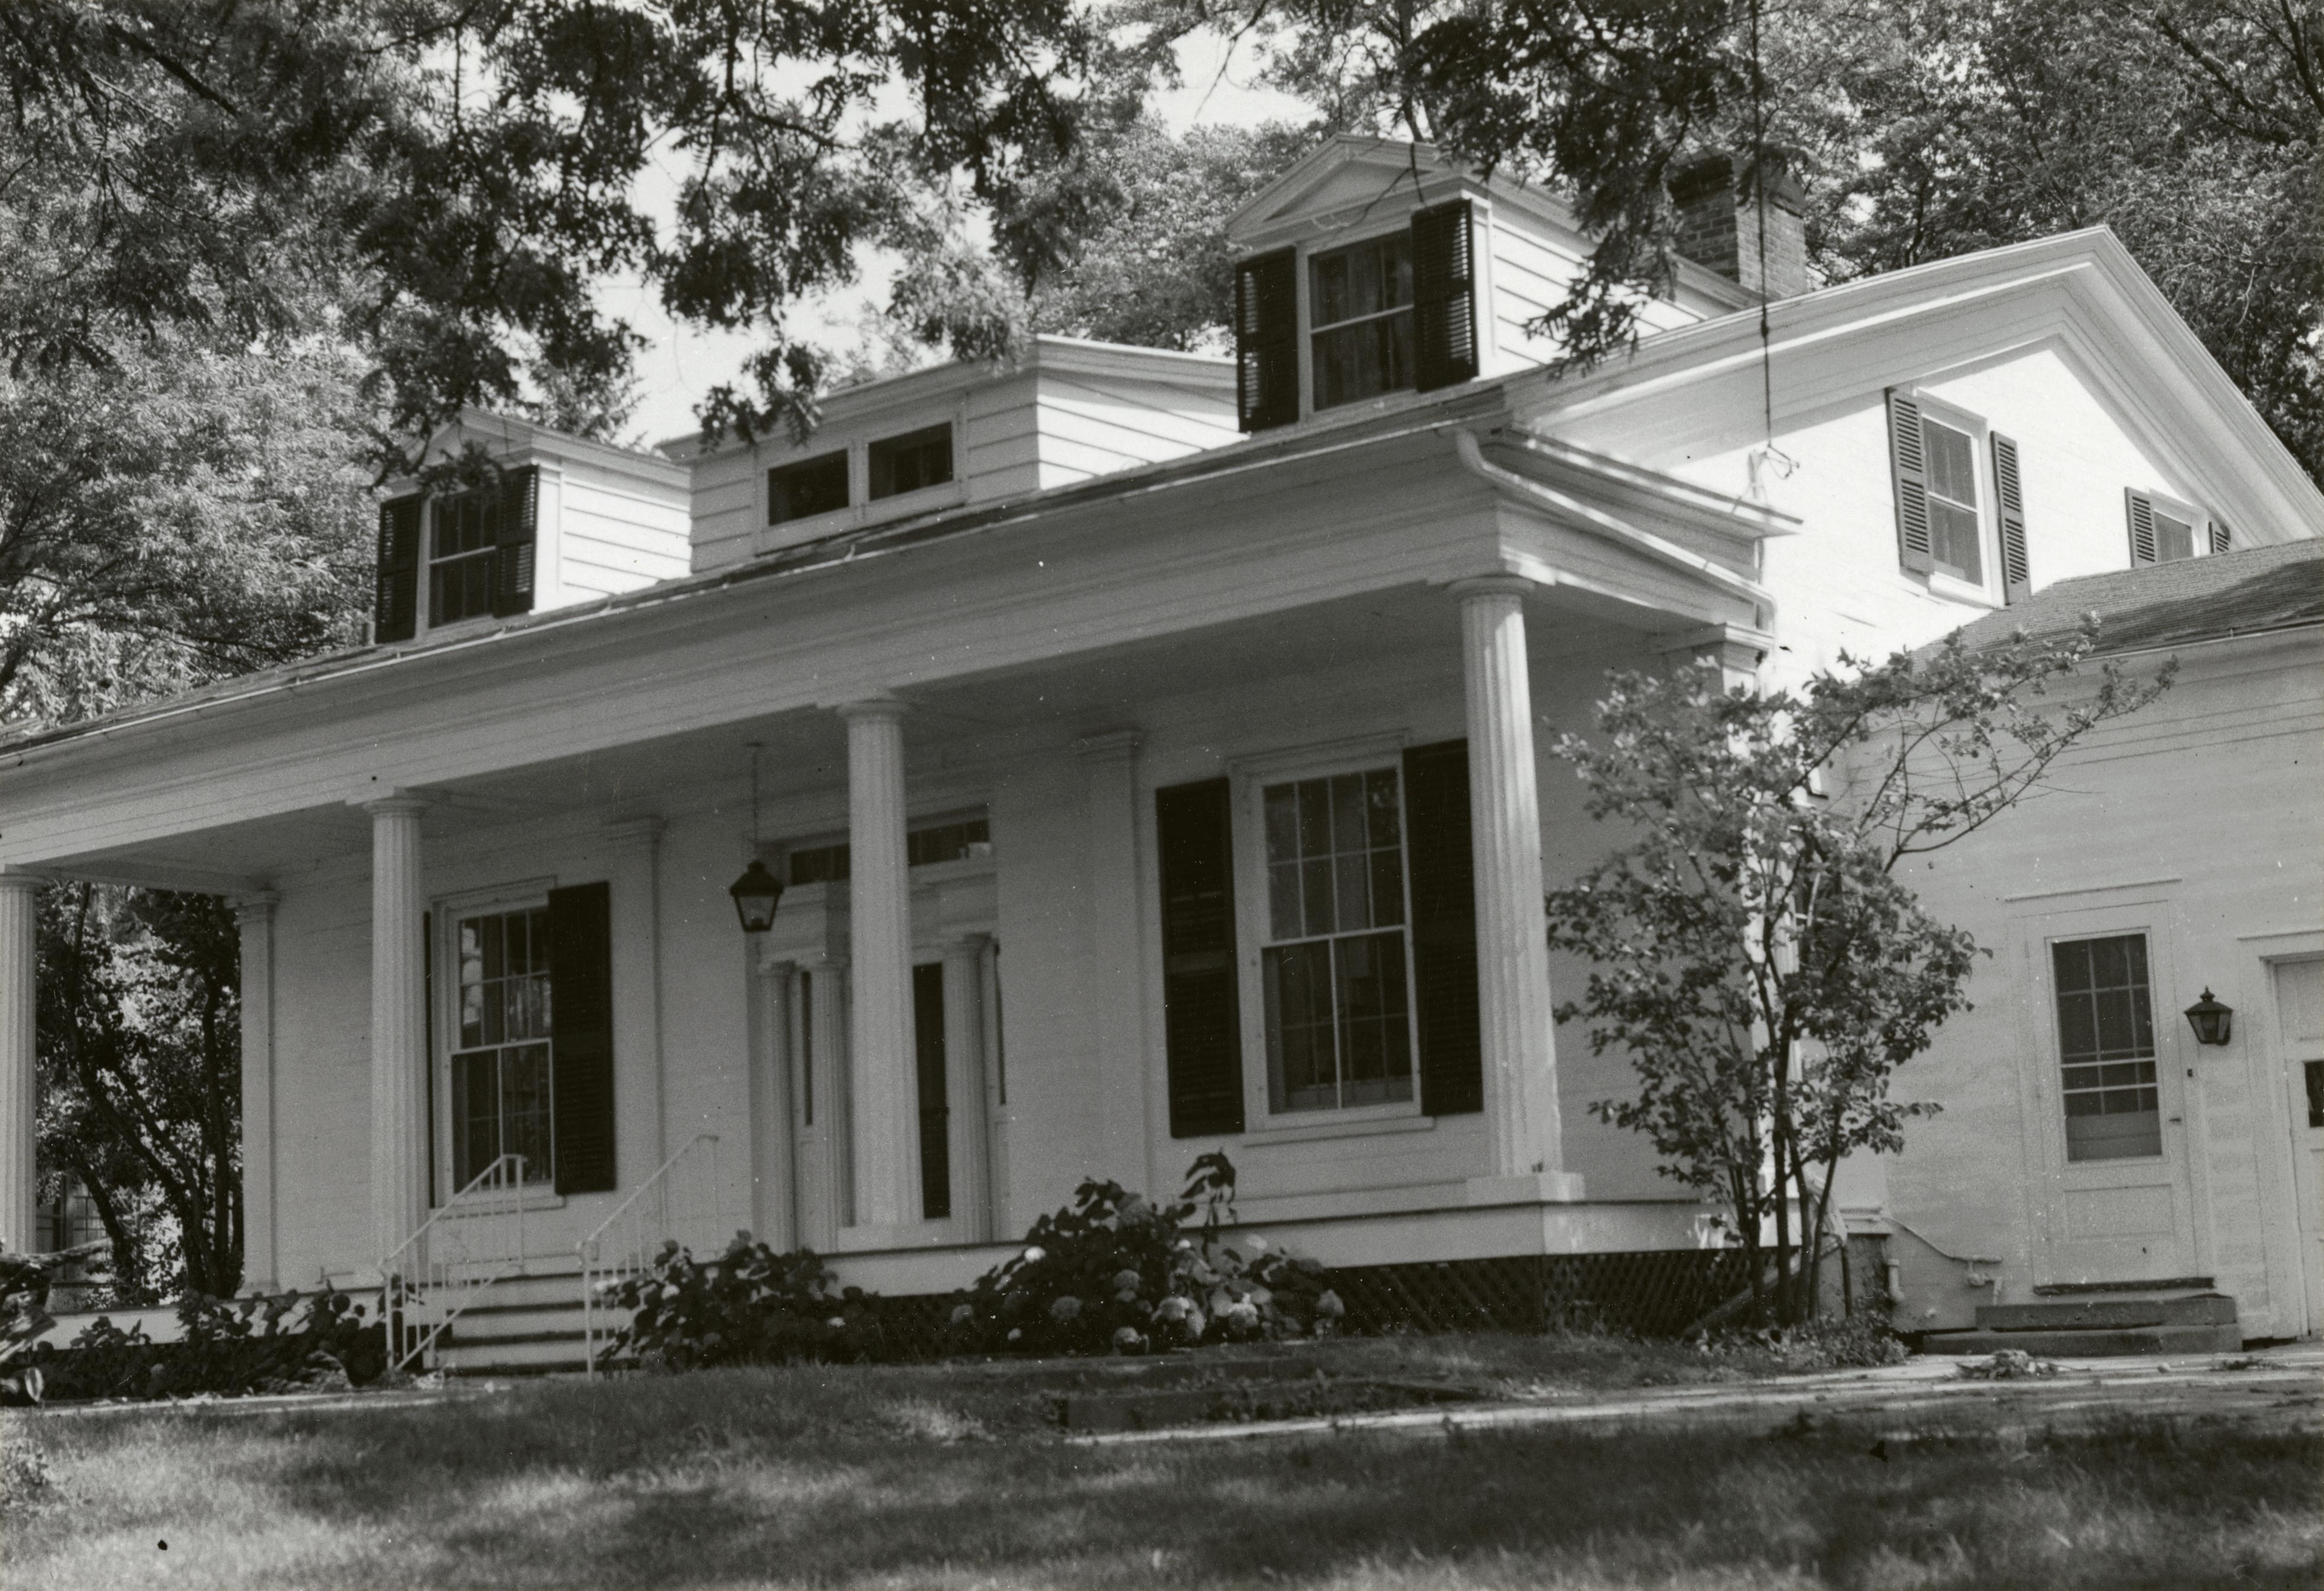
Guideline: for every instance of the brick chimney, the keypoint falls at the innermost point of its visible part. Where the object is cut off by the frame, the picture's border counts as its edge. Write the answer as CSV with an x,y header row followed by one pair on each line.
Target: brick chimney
x,y
1719,212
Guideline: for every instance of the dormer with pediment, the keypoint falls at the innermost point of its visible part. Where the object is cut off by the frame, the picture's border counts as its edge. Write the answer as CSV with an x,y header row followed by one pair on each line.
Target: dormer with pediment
x,y
554,521
1374,268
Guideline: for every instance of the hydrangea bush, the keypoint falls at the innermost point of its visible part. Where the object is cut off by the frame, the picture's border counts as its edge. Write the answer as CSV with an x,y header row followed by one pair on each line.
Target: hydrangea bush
x,y
1115,1272
749,1306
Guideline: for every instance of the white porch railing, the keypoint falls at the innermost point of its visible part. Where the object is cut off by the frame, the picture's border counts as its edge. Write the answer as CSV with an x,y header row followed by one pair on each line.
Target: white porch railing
x,y
625,1242
471,1242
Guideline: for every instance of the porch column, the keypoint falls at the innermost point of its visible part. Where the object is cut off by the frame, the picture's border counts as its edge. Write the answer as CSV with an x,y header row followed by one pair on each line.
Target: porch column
x,y
826,1178
773,1175
970,1140
19,921
399,1025
1117,985
1515,1023
886,1107
254,915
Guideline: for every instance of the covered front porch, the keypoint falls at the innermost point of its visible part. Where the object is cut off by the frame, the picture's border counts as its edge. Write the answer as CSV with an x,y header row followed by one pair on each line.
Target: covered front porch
x,y
977,987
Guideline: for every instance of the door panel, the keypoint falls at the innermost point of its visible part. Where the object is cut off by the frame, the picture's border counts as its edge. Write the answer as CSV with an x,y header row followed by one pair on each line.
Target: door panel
x,y
2299,1020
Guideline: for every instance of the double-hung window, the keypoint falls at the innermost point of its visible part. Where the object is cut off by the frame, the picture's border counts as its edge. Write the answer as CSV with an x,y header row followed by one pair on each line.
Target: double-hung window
x,y
2105,1042
1956,526
502,1076
463,535
1359,305
1335,967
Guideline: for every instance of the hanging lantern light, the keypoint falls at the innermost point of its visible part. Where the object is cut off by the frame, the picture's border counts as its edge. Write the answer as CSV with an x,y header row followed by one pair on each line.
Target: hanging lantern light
x,y
2213,1021
757,892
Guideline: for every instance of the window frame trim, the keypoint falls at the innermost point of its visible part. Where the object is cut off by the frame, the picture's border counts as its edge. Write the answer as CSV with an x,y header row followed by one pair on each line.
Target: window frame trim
x,y
445,913
1943,581
2199,523
2052,1017
1248,778
862,510
1308,253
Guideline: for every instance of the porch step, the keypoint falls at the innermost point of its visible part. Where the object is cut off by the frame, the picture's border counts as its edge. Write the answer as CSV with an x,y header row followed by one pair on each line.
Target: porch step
x,y
2177,1284
2091,1345
525,1325
2099,1313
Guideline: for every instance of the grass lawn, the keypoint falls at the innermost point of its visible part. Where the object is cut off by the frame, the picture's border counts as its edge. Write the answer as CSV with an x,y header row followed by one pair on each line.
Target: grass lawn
x,y
953,1476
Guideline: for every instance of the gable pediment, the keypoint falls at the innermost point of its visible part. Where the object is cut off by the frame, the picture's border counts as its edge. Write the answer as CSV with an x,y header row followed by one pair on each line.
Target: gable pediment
x,y
1346,182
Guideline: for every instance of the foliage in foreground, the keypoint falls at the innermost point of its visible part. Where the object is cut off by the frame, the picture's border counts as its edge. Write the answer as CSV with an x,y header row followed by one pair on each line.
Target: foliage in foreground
x,y
226,1347
1114,1273
1110,1272
1756,957
749,1306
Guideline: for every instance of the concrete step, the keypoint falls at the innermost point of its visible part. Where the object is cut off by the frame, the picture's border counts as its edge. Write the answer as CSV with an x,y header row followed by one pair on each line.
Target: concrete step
x,y
2091,1345
2176,1284
540,1356
2099,1313
478,1326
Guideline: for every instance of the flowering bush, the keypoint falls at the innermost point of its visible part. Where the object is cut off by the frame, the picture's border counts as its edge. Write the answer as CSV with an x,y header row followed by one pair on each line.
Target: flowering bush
x,y
1115,1272
749,1306
227,1347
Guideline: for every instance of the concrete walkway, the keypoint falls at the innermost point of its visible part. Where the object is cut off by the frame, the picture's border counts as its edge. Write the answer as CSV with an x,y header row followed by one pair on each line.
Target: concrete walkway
x,y
2280,1388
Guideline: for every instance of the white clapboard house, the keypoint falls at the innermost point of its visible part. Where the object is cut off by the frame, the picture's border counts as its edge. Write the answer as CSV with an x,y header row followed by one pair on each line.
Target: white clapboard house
x,y
1151,747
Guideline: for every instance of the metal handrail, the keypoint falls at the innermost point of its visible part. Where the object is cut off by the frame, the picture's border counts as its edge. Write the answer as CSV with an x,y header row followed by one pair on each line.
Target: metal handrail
x,y
640,1237
451,1282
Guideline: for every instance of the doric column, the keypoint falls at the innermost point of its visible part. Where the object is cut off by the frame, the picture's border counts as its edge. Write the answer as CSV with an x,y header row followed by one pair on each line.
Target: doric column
x,y
255,914
1514,1009
828,1087
969,1141
774,1180
19,921
1116,976
400,1193
880,947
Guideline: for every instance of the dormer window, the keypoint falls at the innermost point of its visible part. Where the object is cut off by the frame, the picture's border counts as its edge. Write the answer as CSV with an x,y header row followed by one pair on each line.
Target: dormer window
x,y
1384,314
908,463
804,489
480,550
1359,301
463,541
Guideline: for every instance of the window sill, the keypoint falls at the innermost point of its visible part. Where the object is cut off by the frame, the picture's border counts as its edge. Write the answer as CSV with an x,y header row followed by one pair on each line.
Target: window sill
x,y
1339,1127
1967,593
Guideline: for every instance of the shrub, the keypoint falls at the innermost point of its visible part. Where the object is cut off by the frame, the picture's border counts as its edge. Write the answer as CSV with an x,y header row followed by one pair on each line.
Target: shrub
x,y
1114,1273
229,1347
749,1306
24,1284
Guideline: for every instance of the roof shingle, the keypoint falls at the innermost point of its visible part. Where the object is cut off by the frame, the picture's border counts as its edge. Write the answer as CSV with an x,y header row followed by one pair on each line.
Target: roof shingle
x,y
2173,604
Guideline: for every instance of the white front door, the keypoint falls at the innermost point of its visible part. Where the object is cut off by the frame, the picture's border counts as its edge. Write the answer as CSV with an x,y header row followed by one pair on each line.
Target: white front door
x,y
2120,1205
2300,1021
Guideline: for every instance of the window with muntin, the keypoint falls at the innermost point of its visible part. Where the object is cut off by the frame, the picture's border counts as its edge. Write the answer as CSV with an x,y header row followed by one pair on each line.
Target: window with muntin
x,y
1359,307
464,536
1336,968
2106,1044
502,1080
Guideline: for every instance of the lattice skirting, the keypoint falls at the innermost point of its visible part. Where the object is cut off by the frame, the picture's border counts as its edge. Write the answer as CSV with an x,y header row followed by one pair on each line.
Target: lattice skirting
x,y
1650,1293
1655,1293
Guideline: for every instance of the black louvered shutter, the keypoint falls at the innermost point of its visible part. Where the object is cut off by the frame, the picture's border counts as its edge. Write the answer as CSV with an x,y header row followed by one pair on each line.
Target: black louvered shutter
x,y
395,599
2017,571
581,1032
1201,1013
2139,509
517,542
1266,340
1443,297
1444,927
935,1115
1908,463
2223,540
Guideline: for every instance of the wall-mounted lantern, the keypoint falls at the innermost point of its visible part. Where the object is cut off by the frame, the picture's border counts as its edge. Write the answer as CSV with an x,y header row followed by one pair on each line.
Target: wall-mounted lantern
x,y
757,892
2213,1022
